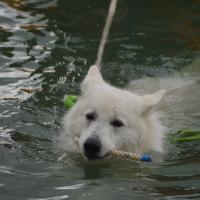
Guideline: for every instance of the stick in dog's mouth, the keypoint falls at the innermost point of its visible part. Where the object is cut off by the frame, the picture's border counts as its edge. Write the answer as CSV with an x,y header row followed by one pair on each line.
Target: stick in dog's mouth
x,y
129,156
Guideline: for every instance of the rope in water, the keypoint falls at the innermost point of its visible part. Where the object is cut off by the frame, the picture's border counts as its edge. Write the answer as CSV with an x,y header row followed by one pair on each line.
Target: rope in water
x,y
130,156
105,33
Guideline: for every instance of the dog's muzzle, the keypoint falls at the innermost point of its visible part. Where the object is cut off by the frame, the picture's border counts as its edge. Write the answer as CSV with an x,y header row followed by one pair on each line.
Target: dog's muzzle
x,y
92,148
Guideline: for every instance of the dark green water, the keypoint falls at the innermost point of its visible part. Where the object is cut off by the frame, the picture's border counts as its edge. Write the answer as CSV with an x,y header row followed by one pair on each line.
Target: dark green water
x,y
50,44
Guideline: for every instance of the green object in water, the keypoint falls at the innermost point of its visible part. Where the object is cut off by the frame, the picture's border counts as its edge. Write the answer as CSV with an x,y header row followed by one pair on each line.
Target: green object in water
x,y
186,136
69,101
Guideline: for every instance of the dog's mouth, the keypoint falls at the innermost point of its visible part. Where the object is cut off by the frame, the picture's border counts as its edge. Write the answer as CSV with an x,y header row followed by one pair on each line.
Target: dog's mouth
x,y
94,157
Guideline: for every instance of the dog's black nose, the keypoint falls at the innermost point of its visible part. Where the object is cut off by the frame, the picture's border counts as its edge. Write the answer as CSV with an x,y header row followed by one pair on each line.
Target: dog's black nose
x,y
92,147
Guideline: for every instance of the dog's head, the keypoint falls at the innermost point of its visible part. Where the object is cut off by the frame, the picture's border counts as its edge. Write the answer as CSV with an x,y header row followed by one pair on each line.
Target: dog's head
x,y
107,118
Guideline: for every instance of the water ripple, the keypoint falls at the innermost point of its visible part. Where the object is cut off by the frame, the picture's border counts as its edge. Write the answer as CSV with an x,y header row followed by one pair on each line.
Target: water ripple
x,y
52,198
5,137
23,38
5,170
71,187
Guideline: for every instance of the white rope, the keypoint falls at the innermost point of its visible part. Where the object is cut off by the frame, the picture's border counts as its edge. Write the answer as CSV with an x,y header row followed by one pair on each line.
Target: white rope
x,y
125,155
130,156
105,33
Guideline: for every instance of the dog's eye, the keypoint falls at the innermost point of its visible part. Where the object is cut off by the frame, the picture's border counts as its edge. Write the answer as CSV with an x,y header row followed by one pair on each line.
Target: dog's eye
x,y
117,123
90,116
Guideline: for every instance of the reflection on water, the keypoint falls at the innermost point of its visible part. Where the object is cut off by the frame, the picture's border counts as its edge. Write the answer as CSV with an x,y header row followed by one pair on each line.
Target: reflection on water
x,y
47,46
22,40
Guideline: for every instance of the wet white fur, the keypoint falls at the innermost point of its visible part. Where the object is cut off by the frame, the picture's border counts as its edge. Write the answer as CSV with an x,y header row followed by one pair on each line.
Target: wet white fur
x,y
142,131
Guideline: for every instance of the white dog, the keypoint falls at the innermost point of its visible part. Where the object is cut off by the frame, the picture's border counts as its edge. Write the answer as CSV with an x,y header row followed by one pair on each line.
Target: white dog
x,y
106,118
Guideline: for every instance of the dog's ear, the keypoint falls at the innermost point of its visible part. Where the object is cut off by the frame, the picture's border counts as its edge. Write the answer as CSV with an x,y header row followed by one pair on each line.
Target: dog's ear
x,y
152,100
92,78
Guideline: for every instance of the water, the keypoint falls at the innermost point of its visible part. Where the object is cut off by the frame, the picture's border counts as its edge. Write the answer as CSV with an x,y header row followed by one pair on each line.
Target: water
x,y
48,46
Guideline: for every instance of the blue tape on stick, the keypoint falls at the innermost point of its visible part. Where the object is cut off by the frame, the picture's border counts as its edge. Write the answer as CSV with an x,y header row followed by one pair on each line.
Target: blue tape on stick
x,y
146,158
